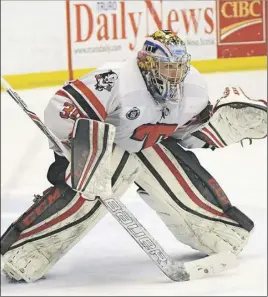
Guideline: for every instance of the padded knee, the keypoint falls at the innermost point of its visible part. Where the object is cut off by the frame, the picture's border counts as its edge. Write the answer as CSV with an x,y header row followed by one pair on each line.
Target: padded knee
x,y
187,205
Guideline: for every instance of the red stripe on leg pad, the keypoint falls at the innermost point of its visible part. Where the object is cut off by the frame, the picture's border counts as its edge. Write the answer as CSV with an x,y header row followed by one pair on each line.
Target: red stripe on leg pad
x,y
56,220
184,184
94,152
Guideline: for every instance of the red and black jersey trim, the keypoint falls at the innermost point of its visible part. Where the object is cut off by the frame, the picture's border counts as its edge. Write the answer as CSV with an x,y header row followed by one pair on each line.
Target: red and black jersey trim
x,y
82,103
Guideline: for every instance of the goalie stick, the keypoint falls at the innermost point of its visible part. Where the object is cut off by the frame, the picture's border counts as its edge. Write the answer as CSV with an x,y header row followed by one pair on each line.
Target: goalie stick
x,y
176,271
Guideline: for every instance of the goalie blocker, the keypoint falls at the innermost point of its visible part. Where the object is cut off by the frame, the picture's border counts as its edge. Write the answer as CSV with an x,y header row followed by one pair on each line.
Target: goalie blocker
x,y
185,196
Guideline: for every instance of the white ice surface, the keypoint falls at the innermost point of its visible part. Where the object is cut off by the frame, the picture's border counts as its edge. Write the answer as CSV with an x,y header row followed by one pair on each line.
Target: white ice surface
x,y
107,261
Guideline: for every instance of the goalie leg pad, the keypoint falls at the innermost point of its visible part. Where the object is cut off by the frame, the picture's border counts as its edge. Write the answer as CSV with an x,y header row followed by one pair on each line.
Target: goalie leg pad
x,y
41,236
185,203
206,184
30,251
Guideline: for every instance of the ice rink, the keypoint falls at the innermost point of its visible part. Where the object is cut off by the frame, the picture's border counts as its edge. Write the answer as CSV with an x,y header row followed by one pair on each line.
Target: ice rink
x,y
107,262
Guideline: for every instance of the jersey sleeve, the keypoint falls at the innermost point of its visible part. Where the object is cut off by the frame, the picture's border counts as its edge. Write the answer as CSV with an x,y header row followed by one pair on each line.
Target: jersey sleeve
x,y
189,137
77,99
196,92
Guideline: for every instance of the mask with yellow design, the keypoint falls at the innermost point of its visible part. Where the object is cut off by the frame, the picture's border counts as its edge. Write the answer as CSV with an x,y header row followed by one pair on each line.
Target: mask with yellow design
x,y
164,63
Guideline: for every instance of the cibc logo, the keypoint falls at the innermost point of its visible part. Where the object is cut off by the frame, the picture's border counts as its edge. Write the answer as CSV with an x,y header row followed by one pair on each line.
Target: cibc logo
x,y
236,9
241,22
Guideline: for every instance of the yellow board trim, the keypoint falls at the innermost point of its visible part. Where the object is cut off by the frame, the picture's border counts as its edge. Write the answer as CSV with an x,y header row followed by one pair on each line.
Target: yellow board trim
x,y
231,64
56,78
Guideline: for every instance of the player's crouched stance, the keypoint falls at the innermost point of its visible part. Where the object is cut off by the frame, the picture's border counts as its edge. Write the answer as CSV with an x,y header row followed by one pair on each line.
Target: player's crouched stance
x,y
171,180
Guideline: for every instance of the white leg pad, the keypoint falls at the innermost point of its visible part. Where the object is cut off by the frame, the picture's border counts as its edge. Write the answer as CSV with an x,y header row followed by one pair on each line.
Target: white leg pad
x,y
204,227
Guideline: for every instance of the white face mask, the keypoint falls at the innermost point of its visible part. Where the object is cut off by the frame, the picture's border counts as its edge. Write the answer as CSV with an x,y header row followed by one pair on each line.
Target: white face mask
x,y
168,78
174,71
166,91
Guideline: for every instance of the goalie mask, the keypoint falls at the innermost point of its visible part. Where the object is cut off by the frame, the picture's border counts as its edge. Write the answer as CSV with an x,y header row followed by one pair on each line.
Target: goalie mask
x,y
164,64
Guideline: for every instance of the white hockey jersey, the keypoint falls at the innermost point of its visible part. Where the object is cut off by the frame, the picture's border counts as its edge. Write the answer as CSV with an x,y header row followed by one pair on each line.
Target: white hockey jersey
x,y
120,97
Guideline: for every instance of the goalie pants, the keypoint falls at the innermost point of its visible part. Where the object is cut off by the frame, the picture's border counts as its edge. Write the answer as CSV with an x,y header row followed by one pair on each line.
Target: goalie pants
x,y
188,203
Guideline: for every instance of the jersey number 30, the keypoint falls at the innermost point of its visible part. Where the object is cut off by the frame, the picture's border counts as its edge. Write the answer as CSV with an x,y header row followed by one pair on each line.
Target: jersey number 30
x,y
151,134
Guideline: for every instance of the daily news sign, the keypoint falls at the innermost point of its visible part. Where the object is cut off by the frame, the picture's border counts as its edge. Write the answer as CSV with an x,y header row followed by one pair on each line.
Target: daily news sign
x,y
114,30
104,31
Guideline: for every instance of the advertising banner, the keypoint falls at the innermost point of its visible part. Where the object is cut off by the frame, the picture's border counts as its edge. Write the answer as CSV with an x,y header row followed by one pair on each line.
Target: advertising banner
x,y
241,28
104,31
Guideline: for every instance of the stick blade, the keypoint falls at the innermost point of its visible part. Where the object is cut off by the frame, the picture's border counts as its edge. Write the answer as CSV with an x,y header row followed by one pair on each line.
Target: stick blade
x,y
211,265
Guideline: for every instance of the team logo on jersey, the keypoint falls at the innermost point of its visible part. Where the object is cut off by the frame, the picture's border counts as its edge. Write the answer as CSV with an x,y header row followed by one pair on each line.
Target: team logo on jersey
x,y
133,113
105,81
